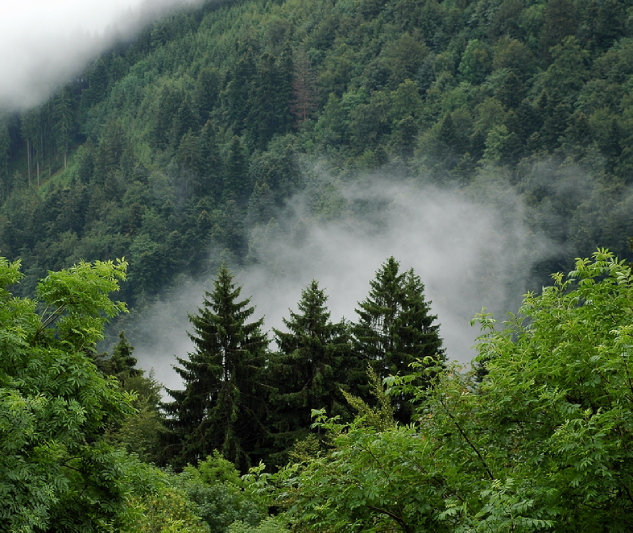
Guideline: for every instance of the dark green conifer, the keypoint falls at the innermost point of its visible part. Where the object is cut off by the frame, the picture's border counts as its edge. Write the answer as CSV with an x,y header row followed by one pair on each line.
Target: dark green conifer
x,y
210,180
396,328
222,404
121,364
313,364
239,80
206,92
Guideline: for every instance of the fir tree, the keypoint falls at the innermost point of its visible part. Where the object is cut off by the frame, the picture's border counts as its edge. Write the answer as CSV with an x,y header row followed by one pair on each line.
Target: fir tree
x,y
312,366
221,406
395,327
122,364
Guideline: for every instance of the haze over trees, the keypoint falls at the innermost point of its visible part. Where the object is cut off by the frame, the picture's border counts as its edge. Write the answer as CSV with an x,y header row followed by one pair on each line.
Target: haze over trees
x,y
180,142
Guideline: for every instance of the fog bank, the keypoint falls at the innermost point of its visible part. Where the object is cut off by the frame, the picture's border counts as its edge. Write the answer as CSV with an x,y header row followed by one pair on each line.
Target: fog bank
x,y
468,256
44,43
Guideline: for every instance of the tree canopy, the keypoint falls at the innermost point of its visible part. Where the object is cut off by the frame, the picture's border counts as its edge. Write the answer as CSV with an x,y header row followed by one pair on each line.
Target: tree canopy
x,y
543,442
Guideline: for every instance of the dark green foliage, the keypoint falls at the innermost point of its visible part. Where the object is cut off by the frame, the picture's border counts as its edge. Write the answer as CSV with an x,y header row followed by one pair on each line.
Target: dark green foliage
x,y
236,180
221,407
207,92
209,182
395,328
121,364
314,364
269,100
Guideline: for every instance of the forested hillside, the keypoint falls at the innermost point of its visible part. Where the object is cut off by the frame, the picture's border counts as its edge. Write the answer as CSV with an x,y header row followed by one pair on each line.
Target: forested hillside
x,y
172,148
173,157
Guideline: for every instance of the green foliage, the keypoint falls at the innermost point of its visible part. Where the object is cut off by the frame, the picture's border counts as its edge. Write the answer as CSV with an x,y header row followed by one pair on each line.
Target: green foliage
x,y
157,501
220,495
54,404
270,525
221,406
542,442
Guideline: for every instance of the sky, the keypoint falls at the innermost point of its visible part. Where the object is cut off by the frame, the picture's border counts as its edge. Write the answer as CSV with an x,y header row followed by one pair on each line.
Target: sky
x,y
44,43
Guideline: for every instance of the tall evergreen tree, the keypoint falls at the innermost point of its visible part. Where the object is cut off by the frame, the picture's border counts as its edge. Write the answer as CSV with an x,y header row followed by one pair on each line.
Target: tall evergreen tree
x,y
221,406
312,366
211,178
395,327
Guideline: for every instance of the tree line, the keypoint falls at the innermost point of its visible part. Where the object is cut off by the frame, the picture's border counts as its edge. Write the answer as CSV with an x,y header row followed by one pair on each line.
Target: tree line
x,y
253,403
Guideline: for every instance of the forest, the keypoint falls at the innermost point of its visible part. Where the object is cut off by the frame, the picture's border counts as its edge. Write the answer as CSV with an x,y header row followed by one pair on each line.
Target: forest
x,y
173,157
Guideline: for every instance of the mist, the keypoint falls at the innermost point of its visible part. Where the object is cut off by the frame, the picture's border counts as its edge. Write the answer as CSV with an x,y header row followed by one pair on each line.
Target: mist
x,y
44,43
468,255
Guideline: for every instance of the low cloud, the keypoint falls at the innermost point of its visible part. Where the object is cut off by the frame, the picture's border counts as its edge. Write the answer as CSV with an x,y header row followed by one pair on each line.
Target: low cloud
x,y
468,255
43,44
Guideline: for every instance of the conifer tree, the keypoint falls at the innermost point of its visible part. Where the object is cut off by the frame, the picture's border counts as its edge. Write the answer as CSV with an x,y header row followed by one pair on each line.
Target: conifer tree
x,y
63,114
395,327
310,369
221,406
122,364
211,179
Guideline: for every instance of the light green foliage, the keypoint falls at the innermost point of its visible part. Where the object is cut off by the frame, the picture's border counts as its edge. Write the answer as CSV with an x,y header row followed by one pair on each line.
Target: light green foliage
x,y
544,442
476,62
157,502
54,404
77,303
380,417
270,525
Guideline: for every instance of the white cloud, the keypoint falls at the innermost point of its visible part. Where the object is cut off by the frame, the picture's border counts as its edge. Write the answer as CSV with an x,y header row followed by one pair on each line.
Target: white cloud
x,y
43,43
469,254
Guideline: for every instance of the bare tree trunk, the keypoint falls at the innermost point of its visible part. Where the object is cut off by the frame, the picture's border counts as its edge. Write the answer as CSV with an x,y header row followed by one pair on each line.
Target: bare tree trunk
x,y
38,174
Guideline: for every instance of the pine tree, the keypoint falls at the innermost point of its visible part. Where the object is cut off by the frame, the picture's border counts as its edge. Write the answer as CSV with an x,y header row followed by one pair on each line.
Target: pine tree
x,y
395,327
312,366
210,182
221,407
206,92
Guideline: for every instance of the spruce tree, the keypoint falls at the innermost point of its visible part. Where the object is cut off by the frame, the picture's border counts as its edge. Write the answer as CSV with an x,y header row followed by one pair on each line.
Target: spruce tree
x,y
310,369
221,407
396,328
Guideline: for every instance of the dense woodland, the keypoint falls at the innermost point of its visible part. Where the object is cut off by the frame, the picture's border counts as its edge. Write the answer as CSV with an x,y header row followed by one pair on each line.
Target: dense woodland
x,y
178,150
182,144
